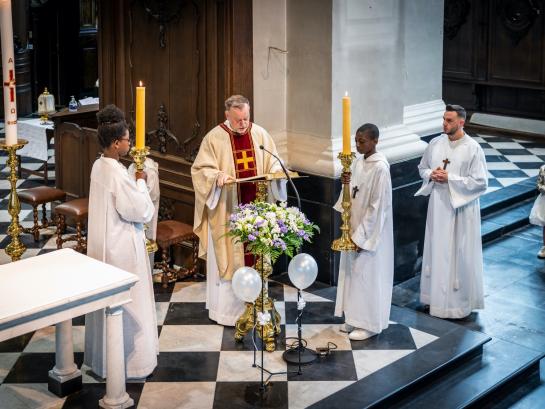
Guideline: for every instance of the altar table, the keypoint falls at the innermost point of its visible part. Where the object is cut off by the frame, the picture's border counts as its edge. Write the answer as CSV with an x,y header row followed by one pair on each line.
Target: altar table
x,y
54,288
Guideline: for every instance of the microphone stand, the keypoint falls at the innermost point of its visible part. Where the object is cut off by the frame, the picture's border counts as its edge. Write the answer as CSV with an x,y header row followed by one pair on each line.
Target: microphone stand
x,y
300,355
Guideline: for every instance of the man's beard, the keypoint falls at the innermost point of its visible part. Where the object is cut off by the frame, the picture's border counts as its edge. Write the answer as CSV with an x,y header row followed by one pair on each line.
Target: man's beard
x,y
453,131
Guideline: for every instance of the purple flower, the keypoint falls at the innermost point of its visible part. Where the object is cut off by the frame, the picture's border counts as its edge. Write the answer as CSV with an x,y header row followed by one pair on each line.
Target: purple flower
x,y
306,237
260,223
233,217
283,229
301,233
251,237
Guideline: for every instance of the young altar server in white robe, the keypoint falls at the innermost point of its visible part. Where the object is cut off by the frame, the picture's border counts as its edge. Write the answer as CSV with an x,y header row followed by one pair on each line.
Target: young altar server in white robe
x,y
364,291
454,174
119,205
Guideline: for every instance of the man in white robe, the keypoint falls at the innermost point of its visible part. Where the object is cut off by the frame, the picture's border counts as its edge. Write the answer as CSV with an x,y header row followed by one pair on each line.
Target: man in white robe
x,y
219,162
119,205
364,289
454,174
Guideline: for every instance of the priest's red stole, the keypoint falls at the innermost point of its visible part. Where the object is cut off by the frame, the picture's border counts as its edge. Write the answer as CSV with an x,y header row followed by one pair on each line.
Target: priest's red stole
x,y
245,166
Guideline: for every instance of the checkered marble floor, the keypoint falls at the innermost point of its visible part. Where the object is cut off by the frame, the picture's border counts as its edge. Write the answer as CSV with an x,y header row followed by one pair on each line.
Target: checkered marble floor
x,y
200,364
510,161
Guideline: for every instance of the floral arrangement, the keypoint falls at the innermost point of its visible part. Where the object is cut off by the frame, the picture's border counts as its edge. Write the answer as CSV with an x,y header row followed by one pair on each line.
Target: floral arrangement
x,y
270,229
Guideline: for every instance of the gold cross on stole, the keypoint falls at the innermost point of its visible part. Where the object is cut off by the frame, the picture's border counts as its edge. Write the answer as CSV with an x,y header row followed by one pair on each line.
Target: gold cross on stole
x,y
245,160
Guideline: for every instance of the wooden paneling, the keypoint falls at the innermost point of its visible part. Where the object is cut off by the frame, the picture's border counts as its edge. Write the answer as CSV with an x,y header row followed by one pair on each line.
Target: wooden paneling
x,y
204,56
494,56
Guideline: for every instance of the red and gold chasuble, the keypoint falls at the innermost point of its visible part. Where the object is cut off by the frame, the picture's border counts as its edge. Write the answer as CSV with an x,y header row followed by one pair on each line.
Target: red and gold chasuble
x,y
245,166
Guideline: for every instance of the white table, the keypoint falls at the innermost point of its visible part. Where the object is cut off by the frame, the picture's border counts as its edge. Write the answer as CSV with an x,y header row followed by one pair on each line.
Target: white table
x,y
38,143
54,288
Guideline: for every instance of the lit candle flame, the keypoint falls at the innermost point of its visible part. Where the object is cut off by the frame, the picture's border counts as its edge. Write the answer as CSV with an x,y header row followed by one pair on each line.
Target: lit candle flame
x,y
140,83
345,92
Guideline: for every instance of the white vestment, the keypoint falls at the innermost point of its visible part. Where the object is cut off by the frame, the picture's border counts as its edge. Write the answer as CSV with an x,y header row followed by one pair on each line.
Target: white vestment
x,y
118,207
212,210
452,266
364,288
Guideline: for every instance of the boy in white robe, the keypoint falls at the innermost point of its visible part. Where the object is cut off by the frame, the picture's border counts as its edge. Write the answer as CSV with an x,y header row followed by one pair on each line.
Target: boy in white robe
x,y
119,205
364,291
453,169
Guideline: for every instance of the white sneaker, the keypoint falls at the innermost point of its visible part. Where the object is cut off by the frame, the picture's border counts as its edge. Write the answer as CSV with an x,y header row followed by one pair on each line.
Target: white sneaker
x,y
359,334
346,328
541,253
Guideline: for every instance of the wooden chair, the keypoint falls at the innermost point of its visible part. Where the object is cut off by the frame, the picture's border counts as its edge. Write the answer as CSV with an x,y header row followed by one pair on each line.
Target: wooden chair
x,y
173,232
76,210
35,197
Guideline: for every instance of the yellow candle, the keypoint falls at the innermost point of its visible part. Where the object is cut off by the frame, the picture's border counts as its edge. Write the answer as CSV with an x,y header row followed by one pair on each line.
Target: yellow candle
x,y
140,116
8,73
346,124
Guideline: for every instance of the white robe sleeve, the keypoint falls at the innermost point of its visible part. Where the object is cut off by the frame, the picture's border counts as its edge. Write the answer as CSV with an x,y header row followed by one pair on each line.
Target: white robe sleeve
x,y
367,234
424,169
132,200
465,189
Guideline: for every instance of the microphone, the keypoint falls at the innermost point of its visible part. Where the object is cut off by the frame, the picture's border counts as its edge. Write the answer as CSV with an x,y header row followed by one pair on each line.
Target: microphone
x,y
286,173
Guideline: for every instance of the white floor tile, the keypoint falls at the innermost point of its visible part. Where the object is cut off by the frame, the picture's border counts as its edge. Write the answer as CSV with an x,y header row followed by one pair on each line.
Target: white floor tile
x,y
28,396
161,310
43,340
523,158
491,152
509,181
501,166
236,366
190,338
505,145
318,335
189,292
369,361
537,151
177,395
421,338
302,394
290,294
531,172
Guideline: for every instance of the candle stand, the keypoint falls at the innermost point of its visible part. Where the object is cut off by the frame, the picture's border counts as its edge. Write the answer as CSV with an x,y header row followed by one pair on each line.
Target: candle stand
x,y
15,248
345,243
139,157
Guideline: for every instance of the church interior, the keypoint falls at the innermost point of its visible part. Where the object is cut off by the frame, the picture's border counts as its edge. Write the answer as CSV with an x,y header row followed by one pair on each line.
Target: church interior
x,y
399,63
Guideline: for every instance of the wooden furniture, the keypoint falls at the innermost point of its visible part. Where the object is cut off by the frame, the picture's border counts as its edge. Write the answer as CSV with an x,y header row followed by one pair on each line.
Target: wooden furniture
x,y
76,148
171,233
35,197
77,211
55,288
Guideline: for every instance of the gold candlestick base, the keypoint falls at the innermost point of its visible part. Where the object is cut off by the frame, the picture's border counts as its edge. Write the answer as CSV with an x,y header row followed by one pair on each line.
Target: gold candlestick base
x,y
345,243
264,303
139,157
15,248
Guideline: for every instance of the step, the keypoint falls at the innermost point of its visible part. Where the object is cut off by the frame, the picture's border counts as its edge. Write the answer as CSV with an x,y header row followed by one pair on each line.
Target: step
x,y
508,196
389,384
503,221
482,380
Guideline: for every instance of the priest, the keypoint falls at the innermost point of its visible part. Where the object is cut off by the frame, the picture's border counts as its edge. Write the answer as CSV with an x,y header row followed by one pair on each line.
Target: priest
x,y
364,290
454,175
230,151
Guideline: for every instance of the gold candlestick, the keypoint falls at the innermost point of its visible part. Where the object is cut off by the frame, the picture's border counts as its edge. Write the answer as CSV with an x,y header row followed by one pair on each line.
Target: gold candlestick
x,y
139,157
15,248
345,243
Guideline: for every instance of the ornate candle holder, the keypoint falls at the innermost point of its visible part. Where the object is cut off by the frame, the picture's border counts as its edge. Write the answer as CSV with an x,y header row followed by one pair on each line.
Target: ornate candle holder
x,y
139,157
15,248
345,243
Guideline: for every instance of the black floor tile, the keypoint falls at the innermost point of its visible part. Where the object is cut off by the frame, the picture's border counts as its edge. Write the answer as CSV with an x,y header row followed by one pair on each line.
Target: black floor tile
x,y
514,151
187,313
508,173
529,165
35,367
337,366
314,313
228,342
162,294
496,158
276,291
495,138
186,367
91,393
396,336
249,395
17,344
28,241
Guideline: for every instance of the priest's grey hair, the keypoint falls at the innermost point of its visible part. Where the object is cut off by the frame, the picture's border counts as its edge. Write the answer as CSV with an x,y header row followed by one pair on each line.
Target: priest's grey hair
x,y
236,101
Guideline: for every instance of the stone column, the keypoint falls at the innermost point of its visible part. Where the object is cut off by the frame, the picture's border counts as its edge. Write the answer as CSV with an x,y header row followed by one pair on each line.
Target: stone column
x,y
116,395
65,377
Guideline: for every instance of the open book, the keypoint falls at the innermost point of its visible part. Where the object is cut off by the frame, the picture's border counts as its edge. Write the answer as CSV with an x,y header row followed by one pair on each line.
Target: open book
x,y
267,177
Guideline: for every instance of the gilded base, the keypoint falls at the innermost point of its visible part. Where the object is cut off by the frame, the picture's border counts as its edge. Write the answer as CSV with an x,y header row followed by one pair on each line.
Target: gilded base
x,y
246,321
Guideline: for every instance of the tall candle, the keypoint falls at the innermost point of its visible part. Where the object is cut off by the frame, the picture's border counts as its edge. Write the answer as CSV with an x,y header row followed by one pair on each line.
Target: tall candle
x,y
8,73
140,116
346,124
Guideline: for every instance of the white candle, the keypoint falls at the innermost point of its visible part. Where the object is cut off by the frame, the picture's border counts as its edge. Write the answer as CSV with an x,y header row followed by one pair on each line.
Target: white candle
x,y
8,73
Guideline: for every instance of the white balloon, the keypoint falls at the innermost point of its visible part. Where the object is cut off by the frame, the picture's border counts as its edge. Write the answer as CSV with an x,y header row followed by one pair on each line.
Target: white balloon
x,y
246,284
302,270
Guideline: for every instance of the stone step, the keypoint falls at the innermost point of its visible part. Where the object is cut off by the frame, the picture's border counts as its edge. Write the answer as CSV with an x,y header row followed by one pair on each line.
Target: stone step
x,y
480,382
389,384
508,196
503,221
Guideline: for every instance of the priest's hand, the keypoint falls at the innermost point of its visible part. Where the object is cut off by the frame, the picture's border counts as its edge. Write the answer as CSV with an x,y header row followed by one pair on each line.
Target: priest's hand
x,y
140,174
222,179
